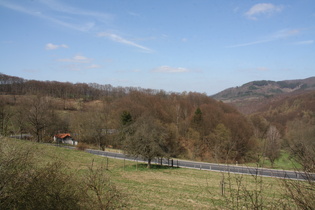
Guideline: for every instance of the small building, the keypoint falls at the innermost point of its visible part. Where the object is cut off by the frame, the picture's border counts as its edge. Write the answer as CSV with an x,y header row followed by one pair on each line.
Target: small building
x,y
64,138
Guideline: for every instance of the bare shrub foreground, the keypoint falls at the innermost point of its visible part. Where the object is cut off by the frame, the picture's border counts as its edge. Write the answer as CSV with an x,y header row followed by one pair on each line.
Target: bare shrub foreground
x,y
27,184
29,181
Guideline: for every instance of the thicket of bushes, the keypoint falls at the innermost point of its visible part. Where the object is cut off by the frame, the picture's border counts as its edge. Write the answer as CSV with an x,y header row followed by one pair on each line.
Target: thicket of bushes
x,y
26,183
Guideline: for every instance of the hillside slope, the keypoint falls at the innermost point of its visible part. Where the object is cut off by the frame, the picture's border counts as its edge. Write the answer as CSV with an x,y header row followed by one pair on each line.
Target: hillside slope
x,y
251,96
46,108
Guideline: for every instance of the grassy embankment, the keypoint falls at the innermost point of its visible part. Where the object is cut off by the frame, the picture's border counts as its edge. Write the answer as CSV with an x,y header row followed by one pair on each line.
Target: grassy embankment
x,y
284,162
159,187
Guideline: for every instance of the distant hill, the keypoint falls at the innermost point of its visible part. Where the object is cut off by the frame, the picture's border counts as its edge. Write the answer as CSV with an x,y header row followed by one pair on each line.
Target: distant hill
x,y
251,96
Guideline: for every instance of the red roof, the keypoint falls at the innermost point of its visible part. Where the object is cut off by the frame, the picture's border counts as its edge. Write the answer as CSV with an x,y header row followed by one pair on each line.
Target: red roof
x,y
62,135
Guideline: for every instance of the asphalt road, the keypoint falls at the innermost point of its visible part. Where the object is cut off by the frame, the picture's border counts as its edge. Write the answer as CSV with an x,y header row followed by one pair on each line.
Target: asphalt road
x,y
214,167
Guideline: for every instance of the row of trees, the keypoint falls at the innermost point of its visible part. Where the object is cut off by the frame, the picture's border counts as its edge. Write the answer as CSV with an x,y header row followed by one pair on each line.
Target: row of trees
x,y
65,90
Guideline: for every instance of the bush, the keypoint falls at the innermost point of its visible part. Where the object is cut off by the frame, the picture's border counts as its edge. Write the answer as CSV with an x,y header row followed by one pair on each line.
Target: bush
x,y
248,192
100,192
82,146
28,184
50,187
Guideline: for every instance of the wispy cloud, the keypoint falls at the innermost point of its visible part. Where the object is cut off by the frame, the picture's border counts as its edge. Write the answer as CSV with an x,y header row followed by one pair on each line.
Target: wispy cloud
x,y
93,66
61,7
278,35
248,43
262,9
69,17
18,8
58,13
79,63
51,46
284,33
32,71
76,59
72,67
184,39
262,69
134,14
119,39
307,42
168,69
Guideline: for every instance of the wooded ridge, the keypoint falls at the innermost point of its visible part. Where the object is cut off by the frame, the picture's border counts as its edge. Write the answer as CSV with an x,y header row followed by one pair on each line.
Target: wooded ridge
x,y
252,96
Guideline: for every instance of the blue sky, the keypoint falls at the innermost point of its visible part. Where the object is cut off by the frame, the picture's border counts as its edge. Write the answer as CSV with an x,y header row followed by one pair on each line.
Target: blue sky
x,y
175,45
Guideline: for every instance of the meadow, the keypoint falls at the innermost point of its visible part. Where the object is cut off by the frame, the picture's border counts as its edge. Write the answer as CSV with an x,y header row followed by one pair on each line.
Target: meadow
x,y
163,187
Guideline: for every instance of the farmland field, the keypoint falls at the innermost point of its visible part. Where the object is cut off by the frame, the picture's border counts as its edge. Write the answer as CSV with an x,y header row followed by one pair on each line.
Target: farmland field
x,y
162,187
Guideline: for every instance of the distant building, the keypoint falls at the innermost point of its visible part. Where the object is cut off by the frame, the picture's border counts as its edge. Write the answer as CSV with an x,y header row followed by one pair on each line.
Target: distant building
x,y
65,138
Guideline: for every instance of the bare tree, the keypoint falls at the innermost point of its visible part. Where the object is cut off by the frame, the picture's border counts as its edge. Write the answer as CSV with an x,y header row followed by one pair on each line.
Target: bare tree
x,y
302,145
273,145
39,116
100,191
6,115
146,138
221,143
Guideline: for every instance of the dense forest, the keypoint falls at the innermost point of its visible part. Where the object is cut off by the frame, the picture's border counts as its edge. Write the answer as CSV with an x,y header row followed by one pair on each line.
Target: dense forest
x,y
155,123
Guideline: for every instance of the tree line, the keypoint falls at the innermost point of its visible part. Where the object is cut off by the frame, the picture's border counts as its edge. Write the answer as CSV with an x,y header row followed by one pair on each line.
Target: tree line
x,y
153,123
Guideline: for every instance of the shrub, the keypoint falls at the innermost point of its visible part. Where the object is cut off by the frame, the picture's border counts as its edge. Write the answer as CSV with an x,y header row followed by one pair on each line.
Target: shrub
x,y
82,146
28,184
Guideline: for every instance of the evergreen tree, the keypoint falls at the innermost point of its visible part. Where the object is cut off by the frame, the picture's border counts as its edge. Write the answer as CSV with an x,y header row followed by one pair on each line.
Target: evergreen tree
x,y
125,118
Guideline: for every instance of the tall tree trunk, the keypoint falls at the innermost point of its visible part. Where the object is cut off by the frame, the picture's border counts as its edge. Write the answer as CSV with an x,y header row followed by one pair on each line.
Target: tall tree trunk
x,y
149,163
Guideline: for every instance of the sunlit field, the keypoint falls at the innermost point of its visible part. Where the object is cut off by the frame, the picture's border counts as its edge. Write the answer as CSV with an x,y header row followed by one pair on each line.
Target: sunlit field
x,y
161,187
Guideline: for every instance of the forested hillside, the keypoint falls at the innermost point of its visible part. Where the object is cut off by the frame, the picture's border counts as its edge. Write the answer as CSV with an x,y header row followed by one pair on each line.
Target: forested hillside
x,y
155,123
252,96
190,125
294,119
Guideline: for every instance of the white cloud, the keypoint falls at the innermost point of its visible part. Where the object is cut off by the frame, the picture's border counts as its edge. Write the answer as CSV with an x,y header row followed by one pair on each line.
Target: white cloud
x,y
93,66
60,14
61,7
72,67
278,35
76,59
134,14
70,17
51,46
116,38
307,42
248,44
262,9
262,69
236,9
79,63
284,33
168,69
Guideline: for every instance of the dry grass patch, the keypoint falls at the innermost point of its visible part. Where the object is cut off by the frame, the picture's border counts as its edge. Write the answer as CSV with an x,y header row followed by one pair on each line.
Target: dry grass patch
x,y
160,187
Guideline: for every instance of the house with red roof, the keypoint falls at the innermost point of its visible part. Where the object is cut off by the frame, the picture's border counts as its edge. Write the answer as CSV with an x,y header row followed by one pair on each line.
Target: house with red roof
x,y
64,138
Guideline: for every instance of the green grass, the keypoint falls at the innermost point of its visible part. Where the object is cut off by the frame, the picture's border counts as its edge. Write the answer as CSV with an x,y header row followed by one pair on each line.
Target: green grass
x,y
160,187
284,162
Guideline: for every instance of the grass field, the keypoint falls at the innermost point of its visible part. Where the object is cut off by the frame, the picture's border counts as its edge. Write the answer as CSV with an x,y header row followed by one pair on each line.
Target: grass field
x,y
162,187
284,162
